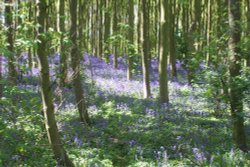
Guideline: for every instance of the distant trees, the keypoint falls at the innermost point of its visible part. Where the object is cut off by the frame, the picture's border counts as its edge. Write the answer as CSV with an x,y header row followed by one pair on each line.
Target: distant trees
x,y
203,36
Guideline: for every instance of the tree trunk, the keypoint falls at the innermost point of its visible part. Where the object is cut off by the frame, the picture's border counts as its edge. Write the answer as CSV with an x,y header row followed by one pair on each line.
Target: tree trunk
x,y
145,48
172,51
115,31
75,58
248,30
131,39
107,23
236,92
10,40
47,97
63,55
100,29
163,59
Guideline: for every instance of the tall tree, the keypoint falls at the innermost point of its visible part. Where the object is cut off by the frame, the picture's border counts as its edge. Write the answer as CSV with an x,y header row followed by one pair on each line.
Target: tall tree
x,y
131,38
248,28
107,23
63,55
46,92
10,40
100,28
115,31
163,59
145,47
75,58
172,44
236,92
193,34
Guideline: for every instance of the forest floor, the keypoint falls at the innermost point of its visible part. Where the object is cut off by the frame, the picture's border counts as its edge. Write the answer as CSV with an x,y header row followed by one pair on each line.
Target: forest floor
x,y
127,130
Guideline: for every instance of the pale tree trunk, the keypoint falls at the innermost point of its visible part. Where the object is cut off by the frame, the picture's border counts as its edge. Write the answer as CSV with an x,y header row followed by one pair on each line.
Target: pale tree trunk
x,y
75,58
236,93
131,39
10,40
145,48
163,56
46,91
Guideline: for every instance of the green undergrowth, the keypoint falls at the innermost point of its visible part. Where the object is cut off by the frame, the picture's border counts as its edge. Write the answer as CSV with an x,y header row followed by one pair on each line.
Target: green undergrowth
x,y
125,131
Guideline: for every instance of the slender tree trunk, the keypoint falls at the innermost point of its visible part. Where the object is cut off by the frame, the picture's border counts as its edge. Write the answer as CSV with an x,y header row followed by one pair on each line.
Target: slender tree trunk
x,y
100,29
1,77
172,51
131,39
236,92
30,57
163,59
10,40
47,97
115,31
145,48
192,39
248,29
75,58
139,26
107,23
63,55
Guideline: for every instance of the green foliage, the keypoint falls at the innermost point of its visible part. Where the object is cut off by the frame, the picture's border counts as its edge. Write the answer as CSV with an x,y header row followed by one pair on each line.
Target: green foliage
x,y
22,130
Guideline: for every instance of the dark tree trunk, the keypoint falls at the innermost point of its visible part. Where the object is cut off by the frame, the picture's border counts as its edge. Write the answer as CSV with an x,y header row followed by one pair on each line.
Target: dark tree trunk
x,y
236,92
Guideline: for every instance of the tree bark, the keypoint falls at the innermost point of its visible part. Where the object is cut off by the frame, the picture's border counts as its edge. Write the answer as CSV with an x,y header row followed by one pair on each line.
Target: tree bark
x,y
145,48
46,92
236,92
163,56
75,58
63,55
115,31
10,40
172,51
131,39
107,23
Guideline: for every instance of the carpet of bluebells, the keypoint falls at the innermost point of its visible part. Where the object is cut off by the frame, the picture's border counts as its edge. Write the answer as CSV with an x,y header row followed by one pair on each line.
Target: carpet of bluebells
x,y
126,130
